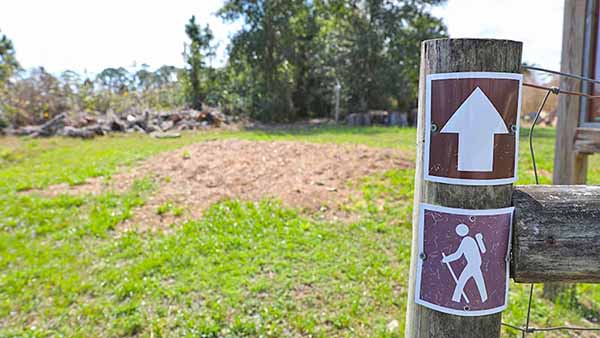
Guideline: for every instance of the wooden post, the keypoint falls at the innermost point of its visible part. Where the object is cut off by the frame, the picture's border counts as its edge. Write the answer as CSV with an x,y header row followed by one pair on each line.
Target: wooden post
x,y
446,56
570,166
338,87
556,234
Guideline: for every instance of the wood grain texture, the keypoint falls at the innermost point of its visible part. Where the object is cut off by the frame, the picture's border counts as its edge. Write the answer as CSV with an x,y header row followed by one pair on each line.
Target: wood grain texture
x,y
446,56
569,168
587,140
556,234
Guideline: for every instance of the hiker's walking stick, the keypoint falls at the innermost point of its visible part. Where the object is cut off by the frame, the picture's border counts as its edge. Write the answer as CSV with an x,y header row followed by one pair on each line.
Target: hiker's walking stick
x,y
455,279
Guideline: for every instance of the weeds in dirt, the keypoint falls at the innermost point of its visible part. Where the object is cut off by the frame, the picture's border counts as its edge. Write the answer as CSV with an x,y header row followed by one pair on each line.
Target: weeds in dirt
x,y
170,208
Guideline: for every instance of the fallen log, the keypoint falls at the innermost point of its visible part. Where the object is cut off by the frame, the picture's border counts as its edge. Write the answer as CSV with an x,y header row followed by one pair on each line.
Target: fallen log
x,y
162,135
83,126
49,128
83,133
53,125
114,123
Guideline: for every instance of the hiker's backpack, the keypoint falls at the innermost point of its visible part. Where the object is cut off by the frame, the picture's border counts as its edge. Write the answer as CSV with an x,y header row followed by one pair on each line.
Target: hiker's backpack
x,y
480,244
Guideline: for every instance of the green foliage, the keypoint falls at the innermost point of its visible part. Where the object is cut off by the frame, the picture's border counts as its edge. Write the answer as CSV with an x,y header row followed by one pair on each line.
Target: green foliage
x,y
39,96
34,99
197,50
273,54
170,208
283,65
290,54
116,80
377,47
3,123
8,60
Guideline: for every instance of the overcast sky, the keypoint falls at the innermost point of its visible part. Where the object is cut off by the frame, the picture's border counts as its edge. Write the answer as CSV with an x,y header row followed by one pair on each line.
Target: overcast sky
x,y
92,35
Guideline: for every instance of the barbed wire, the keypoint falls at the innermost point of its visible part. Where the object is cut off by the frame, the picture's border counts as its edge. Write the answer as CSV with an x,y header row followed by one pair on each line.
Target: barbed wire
x,y
556,91
561,91
555,72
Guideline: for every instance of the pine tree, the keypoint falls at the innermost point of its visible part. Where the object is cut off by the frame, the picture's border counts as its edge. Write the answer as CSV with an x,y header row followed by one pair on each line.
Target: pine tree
x,y
198,49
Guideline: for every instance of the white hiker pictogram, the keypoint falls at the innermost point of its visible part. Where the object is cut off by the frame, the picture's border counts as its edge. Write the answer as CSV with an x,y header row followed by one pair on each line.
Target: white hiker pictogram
x,y
471,248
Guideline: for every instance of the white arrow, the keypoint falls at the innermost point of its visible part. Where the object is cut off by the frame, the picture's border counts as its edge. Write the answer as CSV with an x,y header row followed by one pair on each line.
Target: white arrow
x,y
476,121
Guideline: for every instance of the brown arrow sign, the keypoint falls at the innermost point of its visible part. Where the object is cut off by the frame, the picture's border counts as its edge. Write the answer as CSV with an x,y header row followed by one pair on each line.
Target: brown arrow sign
x,y
472,129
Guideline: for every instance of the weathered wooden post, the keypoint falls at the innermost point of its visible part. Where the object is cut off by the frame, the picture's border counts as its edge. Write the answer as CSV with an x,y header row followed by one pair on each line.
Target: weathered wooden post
x,y
570,165
571,157
457,56
338,88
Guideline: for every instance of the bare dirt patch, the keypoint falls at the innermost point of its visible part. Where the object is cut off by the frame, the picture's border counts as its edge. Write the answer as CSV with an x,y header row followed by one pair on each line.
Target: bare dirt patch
x,y
310,177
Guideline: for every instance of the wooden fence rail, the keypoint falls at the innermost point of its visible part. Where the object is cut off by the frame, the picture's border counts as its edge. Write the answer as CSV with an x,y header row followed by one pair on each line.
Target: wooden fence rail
x,y
556,234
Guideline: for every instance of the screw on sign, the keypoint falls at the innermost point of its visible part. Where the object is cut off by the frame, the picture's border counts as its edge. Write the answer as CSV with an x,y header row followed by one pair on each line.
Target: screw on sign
x,y
463,268
472,127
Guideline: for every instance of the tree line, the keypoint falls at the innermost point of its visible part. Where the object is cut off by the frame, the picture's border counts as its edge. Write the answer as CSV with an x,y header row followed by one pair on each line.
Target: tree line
x,y
283,64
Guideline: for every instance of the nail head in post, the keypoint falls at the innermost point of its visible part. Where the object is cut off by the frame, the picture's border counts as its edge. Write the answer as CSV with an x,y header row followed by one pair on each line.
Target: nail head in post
x,y
423,256
513,129
467,308
472,219
434,128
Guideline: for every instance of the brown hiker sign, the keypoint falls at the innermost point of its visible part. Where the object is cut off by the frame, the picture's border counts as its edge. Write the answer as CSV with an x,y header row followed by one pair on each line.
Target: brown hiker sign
x,y
472,128
463,260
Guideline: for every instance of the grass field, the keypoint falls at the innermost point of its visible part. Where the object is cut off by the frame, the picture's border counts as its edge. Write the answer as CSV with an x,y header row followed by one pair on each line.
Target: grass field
x,y
244,269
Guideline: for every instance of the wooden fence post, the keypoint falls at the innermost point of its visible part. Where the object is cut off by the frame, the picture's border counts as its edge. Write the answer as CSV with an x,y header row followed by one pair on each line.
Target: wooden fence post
x,y
448,56
570,166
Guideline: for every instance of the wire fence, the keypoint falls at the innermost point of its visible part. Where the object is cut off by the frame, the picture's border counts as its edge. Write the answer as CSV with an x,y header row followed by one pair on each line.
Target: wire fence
x,y
555,91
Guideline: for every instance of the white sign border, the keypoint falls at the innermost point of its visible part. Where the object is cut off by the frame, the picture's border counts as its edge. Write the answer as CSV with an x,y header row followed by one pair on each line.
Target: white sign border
x,y
468,75
472,212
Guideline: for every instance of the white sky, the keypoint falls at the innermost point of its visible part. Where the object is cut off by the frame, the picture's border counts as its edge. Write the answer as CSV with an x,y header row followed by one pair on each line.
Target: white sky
x,y
537,23
94,34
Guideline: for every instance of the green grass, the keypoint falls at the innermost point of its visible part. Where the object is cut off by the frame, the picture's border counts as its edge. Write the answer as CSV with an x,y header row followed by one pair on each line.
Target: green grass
x,y
244,269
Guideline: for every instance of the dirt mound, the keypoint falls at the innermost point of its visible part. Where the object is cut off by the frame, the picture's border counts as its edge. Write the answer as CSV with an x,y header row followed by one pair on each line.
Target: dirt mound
x,y
311,177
